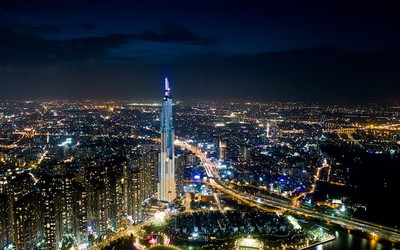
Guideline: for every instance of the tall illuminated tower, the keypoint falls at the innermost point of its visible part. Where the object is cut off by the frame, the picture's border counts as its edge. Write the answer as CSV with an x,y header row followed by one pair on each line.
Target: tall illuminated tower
x,y
166,183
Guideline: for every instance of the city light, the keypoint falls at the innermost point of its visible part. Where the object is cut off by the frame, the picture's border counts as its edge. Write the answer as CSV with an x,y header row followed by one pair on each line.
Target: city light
x,y
159,217
107,185
66,142
201,124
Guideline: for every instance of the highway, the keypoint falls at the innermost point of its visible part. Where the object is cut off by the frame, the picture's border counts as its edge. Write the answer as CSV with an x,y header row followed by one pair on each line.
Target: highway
x,y
348,223
210,168
264,203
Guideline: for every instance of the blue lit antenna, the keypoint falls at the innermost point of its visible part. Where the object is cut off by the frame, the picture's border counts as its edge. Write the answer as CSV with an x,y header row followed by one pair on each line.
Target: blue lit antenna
x,y
167,89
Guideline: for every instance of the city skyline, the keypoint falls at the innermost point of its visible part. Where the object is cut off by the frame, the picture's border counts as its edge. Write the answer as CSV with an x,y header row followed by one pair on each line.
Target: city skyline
x,y
225,50
282,130
84,175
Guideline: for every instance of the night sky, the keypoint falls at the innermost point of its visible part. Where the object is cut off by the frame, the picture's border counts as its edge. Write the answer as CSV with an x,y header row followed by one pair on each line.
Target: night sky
x,y
217,50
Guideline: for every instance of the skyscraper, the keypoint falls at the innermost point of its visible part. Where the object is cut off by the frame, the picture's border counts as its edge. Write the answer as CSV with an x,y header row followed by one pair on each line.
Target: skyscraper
x,y
166,184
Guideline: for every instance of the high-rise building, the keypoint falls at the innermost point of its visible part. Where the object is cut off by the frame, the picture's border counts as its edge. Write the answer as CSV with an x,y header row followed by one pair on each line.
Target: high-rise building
x,y
80,215
244,153
27,221
51,214
166,185
179,173
223,145
63,185
97,208
147,161
112,187
5,227
133,196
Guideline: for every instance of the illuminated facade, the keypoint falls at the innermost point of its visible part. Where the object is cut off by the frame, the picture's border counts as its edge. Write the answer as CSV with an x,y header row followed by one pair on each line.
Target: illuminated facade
x,y
147,161
5,227
80,215
223,144
166,185
133,193
26,221
97,209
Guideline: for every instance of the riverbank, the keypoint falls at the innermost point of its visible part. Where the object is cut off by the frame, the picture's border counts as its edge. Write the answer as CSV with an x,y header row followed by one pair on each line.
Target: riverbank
x,y
319,243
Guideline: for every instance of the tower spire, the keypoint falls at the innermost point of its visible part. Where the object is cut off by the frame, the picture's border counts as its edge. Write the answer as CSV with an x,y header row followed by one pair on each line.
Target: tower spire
x,y
167,89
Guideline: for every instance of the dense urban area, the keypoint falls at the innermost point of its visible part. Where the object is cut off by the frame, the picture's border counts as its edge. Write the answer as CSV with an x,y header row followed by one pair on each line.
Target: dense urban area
x,y
84,174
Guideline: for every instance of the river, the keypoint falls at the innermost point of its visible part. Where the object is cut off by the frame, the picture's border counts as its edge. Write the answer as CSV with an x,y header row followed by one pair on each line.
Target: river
x,y
355,241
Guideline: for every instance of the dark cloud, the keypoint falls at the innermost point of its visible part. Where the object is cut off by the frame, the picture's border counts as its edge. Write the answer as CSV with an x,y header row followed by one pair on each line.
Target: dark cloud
x,y
172,33
87,26
22,44
29,44
32,30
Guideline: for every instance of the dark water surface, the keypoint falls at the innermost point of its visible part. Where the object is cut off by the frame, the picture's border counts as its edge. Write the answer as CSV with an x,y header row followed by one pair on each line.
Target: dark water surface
x,y
355,241
375,183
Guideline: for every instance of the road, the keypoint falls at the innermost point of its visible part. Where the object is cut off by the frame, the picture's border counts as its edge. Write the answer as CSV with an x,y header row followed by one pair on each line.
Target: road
x,y
375,230
123,233
210,167
348,223
265,203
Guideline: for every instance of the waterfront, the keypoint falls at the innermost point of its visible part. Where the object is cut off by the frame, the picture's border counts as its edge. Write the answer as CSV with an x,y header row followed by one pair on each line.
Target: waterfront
x,y
373,178
343,241
353,240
